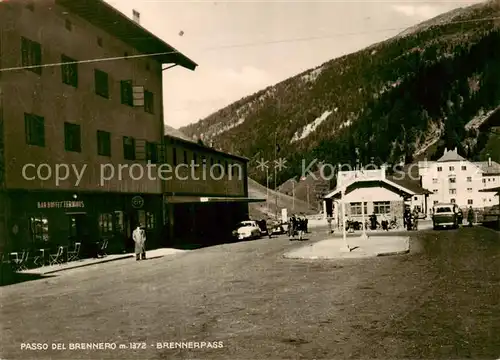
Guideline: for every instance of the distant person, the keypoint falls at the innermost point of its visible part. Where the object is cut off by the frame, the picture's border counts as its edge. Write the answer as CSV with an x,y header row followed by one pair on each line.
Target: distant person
x,y
139,237
470,216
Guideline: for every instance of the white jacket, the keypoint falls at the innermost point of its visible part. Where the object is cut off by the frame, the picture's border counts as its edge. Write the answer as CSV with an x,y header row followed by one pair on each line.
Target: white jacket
x,y
139,236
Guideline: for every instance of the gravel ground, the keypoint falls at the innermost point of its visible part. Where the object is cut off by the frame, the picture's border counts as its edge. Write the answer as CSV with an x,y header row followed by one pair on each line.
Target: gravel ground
x,y
439,302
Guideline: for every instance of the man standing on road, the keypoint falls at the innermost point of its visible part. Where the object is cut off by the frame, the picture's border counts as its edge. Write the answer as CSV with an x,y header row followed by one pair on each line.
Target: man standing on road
x,y
470,216
139,236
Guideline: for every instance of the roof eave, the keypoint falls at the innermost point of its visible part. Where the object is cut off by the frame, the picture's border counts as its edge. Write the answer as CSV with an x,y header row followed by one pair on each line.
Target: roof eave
x,y
117,24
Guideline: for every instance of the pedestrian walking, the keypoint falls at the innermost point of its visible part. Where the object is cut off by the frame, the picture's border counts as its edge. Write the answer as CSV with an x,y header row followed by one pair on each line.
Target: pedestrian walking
x,y
470,216
139,237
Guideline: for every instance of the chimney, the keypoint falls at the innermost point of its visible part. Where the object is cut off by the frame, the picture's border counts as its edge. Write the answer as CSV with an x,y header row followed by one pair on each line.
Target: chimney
x,y
445,150
382,170
489,161
136,16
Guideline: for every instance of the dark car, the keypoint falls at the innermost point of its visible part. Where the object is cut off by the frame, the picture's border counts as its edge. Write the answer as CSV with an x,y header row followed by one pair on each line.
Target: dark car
x,y
445,215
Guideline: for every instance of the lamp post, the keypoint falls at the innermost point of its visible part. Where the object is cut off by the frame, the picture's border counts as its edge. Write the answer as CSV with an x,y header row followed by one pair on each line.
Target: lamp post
x,y
344,233
363,235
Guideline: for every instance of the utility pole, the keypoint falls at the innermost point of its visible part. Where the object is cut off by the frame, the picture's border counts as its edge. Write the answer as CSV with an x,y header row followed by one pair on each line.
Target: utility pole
x,y
293,194
308,204
275,158
267,189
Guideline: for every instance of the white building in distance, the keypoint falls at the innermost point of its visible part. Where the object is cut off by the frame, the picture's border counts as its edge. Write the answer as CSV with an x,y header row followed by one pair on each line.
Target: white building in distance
x,y
454,179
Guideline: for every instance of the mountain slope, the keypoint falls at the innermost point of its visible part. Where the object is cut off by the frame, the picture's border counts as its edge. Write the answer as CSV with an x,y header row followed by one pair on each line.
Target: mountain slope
x,y
391,102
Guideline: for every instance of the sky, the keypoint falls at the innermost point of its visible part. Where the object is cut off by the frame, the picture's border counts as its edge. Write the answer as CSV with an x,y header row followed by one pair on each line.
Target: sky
x,y
242,47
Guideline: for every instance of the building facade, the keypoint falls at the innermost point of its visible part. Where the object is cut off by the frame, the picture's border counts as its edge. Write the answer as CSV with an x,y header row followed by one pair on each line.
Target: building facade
x,y
367,192
79,117
206,194
454,179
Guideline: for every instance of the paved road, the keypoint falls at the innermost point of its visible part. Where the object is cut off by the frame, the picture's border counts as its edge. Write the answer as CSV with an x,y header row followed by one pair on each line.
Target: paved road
x,y
440,302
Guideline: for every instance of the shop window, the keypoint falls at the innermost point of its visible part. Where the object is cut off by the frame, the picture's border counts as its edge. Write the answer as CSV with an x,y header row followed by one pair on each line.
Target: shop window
x,y
101,83
106,224
34,129
382,207
118,224
142,217
39,228
150,221
31,55
356,208
128,148
69,71
72,137
103,143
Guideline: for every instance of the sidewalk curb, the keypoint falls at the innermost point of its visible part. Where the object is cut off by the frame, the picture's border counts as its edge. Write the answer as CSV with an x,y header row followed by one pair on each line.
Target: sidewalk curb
x,y
393,253
85,265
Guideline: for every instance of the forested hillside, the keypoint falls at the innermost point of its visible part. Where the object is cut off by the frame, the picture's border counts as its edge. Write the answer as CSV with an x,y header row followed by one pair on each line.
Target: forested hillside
x,y
429,88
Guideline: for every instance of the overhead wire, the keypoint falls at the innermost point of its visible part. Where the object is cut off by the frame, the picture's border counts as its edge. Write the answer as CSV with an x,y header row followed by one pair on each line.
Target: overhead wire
x,y
311,38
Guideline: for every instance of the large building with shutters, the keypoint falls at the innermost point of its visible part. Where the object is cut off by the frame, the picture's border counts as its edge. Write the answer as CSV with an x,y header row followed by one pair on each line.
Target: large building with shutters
x,y
80,116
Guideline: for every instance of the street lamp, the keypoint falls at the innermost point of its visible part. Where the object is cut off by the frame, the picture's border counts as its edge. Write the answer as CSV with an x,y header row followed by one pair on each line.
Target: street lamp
x,y
344,233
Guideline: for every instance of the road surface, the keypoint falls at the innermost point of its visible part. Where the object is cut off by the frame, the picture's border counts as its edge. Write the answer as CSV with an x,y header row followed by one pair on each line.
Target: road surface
x,y
247,302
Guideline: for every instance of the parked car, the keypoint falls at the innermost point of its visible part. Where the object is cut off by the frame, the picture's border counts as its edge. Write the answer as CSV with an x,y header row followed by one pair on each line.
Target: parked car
x,y
247,230
445,215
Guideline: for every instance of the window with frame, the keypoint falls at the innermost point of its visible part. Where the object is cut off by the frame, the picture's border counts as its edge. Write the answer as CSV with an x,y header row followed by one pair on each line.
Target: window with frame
x,y
39,228
435,191
469,178
356,208
464,168
439,168
434,181
99,41
382,207
174,156
148,102
68,24
72,137
150,221
31,55
126,92
435,202
103,143
34,126
106,224
452,180
69,71
128,148
453,191
453,201
101,81
470,201
469,189
152,152
452,168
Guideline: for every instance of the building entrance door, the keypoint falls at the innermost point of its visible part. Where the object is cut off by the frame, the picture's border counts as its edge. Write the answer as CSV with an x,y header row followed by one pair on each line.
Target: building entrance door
x,y
78,230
